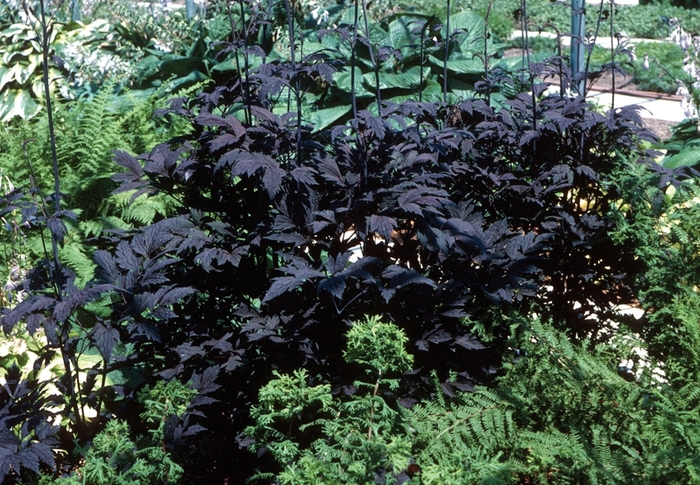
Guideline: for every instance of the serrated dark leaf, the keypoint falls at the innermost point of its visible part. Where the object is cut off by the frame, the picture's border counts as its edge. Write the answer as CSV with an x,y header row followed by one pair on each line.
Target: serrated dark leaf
x,y
129,162
469,342
205,382
62,310
186,351
382,225
105,338
145,329
280,285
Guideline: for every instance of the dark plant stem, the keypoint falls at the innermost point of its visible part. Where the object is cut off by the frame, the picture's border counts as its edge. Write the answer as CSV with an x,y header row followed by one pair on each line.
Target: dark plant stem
x,y
486,48
562,84
375,67
40,201
296,80
595,37
353,59
612,53
526,56
448,39
45,39
425,28
239,72
46,29
246,66
525,59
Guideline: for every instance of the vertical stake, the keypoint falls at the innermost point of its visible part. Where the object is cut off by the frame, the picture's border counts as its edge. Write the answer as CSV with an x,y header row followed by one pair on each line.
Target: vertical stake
x,y
578,34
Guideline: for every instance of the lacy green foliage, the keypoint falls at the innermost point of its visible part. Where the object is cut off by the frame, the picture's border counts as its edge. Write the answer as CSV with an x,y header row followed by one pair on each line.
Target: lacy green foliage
x,y
560,414
286,404
88,132
318,438
664,232
379,346
662,226
117,458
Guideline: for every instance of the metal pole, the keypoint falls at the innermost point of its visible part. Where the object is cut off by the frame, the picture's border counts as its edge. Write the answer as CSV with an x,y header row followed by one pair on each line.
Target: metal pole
x,y
189,9
578,34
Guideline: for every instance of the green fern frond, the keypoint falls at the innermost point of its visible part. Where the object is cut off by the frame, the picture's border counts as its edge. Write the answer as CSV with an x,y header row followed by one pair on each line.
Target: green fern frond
x,y
74,256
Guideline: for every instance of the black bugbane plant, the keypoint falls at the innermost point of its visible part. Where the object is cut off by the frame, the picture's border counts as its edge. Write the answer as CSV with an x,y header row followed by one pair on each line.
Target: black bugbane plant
x,y
424,215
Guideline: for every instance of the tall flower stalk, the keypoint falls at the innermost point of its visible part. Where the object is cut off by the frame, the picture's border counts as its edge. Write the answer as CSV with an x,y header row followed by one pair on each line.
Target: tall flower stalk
x,y
44,28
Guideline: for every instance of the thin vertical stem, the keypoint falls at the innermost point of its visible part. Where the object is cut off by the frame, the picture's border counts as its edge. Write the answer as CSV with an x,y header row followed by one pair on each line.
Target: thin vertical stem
x,y
425,28
595,37
612,51
297,86
246,66
578,32
447,40
375,67
353,60
526,46
486,47
235,40
45,40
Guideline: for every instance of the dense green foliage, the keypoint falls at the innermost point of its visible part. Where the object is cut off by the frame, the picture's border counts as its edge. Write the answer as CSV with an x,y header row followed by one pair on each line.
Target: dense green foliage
x,y
375,254
649,21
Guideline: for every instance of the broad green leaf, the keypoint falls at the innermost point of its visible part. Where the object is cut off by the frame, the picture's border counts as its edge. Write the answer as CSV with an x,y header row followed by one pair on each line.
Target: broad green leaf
x,y
229,65
7,102
309,47
400,32
323,118
226,66
19,103
378,36
6,76
37,88
343,82
471,26
23,74
35,61
18,32
409,79
688,157
180,65
465,66
13,57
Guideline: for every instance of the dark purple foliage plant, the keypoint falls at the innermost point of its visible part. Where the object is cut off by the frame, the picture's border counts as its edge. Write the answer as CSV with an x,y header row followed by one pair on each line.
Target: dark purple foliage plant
x,y
429,215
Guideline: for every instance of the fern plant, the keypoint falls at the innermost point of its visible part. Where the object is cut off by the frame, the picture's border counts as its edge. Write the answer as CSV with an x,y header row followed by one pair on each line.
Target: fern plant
x,y
318,438
117,458
561,413
88,132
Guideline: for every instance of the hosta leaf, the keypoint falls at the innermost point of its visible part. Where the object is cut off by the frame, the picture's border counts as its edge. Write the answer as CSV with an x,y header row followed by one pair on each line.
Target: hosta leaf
x,y
687,157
